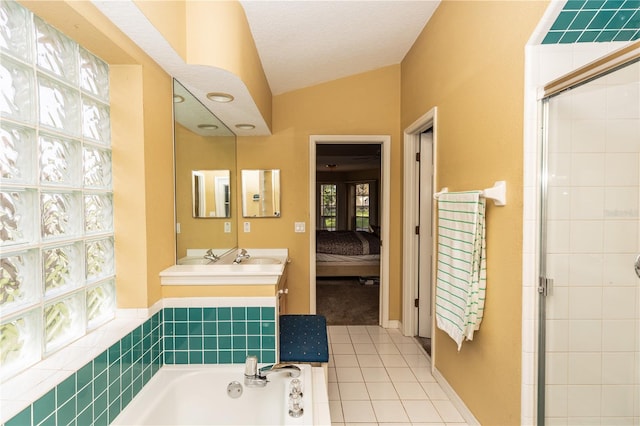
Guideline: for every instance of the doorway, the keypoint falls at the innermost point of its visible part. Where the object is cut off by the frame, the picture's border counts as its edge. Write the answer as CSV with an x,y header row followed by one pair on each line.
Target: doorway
x,y
382,215
420,147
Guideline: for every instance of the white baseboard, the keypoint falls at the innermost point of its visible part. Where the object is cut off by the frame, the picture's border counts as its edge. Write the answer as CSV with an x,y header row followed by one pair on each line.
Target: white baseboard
x,y
455,399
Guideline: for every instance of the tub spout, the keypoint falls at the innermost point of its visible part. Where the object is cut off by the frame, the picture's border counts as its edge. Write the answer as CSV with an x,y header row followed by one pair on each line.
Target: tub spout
x,y
292,370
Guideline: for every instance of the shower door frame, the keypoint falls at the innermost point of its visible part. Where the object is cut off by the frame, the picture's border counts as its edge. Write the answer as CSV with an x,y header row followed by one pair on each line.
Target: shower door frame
x,y
608,64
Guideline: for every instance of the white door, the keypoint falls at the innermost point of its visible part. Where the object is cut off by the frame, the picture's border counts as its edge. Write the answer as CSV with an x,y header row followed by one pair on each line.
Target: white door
x,y
425,191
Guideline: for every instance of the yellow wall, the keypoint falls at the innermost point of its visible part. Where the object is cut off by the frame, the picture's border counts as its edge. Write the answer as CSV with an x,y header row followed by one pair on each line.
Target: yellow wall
x,y
469,62
367,103
142,143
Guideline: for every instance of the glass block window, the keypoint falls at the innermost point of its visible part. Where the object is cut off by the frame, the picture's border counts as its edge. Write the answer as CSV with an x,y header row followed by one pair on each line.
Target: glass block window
x,y
57,264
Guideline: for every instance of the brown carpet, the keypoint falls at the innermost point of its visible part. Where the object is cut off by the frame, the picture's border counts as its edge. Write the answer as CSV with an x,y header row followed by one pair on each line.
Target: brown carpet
x,y
344,301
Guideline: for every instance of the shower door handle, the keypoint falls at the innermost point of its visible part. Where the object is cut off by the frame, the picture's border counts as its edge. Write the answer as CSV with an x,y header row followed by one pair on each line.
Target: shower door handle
x,y
637,266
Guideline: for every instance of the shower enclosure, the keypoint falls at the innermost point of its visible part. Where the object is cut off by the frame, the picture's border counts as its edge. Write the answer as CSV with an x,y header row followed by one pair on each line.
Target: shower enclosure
x,y
589,346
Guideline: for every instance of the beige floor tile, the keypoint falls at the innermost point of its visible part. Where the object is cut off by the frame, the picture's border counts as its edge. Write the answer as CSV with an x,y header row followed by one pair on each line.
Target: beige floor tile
x,y
390,411
423,374
342,348
401,374
365,348
434,391
353,392
387,348
333,391
421,411
416,360
358,411
381,390
370,361
331,375
349,374
448,411
346,360
335,408
410,390
340,338
393,360
375,374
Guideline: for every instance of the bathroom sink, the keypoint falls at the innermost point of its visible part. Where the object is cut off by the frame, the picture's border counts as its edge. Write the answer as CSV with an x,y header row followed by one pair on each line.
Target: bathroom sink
x,y
194,261
261,261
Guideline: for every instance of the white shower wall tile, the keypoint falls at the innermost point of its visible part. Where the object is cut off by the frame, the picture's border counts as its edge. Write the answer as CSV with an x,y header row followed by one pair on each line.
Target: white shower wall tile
x,y
587,169
584,400
559,203
585,335
558,335
585,303
587,203
617,400
621,202
616,335
586,236
623,135
585,368
557,400
558,303
621,169
622,100
558,267
588,103
557,368
617,271
585,269
616,367
620,236
558,236
620,303
588,135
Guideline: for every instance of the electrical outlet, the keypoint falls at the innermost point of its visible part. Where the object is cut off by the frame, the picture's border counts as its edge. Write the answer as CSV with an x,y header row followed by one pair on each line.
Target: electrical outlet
x,y
227,227
247,227
299,227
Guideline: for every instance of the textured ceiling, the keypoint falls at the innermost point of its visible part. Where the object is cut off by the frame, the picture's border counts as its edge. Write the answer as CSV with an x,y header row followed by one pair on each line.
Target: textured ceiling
x,y
303,43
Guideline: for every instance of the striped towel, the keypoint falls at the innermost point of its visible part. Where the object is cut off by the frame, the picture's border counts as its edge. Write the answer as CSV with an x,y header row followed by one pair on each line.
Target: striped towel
x,y
461,270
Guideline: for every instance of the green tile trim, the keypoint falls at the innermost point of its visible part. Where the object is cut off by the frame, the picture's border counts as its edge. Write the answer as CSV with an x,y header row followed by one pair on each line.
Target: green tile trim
x,y
590,21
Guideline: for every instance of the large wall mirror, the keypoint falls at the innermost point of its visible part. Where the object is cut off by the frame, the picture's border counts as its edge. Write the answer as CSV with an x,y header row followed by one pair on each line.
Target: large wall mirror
x,y
261,193
205,164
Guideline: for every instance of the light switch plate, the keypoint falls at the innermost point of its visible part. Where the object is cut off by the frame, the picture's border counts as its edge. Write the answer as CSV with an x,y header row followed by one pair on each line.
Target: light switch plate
x,y
247,227
227,227
299,226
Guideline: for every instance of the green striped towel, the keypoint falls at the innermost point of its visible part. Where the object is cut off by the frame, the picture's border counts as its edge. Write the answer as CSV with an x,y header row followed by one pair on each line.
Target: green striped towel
x,y
461,279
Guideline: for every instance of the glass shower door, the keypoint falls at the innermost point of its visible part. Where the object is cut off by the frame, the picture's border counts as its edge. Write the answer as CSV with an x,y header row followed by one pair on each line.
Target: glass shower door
x,y
590,239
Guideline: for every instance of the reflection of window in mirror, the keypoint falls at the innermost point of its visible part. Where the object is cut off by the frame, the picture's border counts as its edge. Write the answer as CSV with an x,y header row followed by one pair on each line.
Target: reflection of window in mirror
x,y
261,193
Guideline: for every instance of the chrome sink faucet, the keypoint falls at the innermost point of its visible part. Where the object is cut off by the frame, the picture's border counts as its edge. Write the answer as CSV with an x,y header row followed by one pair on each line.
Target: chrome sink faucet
x,y
242,254
210,255
257,378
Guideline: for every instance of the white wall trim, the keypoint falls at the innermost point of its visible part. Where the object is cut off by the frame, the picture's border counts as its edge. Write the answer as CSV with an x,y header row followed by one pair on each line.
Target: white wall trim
x,y
385,141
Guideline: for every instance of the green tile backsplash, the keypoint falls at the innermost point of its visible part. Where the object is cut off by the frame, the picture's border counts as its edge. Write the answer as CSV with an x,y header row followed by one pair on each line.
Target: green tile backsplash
x,y
584,21
97,392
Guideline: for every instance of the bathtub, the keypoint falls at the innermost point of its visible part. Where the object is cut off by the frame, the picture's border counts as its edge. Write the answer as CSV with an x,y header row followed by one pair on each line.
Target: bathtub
x,y
197,395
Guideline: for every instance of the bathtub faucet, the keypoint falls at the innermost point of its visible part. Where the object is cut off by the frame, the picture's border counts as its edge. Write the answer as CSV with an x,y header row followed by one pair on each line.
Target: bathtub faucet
x,y
241,255
258,378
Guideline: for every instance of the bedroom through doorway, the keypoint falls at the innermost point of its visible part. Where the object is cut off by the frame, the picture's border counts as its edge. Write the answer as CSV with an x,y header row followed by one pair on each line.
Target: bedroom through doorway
x,y
347,223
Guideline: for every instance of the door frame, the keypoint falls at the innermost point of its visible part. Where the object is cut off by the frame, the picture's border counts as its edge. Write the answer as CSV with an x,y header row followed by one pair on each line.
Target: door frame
x,y
411,219
385,172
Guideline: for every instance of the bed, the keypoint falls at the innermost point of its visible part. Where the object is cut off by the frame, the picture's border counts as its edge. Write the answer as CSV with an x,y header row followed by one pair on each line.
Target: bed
x,y
347,254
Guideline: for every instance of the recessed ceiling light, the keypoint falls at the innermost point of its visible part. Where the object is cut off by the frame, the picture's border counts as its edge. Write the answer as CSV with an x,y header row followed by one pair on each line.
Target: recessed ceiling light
x,y
220,97
207,126
245,126
178,99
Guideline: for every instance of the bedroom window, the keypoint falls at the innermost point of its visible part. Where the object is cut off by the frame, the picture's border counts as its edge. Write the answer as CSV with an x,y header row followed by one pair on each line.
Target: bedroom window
x,y
57,264
362,206
328,206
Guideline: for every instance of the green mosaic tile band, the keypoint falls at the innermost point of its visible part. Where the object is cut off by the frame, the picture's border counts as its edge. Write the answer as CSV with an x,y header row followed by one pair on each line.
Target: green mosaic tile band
x,y
586,21
102,388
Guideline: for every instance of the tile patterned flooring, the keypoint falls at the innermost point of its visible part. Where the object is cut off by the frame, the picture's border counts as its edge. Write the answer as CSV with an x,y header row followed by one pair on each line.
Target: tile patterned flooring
x,y
378,376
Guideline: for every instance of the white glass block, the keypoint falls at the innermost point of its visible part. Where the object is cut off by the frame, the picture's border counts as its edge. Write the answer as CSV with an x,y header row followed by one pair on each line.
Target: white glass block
x,y
17,148
59,106
101,304
62,269
97,168
17,91
17,217
18,281
60,214
55,52
20,343
98,213
64,321
95,121
94,75
60,161
16,29
99,259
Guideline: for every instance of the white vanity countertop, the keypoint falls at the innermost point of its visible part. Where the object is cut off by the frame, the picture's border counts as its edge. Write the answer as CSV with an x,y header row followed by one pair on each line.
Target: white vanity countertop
x,y
270,267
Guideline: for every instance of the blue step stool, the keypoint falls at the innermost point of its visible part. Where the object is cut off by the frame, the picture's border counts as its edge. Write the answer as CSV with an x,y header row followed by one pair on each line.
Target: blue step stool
x,y
303,339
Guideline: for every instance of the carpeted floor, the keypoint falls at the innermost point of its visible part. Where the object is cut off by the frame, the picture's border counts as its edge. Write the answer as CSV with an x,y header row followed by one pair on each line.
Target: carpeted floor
x,y
344,301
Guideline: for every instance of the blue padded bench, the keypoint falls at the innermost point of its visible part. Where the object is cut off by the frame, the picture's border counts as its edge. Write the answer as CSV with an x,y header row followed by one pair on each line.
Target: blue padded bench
x,y
303,339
